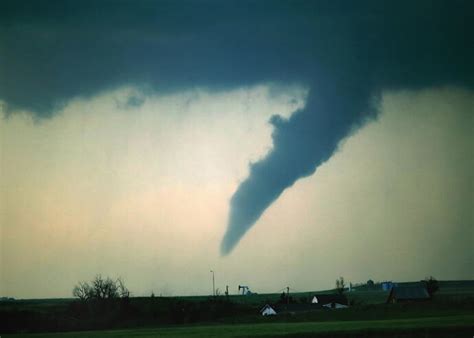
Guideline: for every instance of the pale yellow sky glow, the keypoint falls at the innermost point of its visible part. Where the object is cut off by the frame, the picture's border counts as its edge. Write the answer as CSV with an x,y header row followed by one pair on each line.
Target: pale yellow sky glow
x,y
143,193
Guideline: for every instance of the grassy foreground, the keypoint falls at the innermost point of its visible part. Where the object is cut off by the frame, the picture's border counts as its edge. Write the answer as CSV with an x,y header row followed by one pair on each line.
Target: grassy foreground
x,y
464,322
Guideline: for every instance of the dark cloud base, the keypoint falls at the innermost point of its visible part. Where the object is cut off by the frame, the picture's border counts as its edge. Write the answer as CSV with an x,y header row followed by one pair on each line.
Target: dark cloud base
x,y
345,52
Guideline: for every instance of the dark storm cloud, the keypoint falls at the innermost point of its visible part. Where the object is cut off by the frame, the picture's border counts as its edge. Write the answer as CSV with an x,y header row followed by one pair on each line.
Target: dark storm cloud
x,y
345,51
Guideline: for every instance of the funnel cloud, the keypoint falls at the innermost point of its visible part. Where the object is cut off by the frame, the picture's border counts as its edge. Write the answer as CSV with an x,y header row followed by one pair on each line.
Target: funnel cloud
x,y
339,101
301,143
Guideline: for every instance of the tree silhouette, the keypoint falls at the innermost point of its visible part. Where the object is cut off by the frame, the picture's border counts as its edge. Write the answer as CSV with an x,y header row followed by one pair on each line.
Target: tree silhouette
x,y
340,285
101,289
431,285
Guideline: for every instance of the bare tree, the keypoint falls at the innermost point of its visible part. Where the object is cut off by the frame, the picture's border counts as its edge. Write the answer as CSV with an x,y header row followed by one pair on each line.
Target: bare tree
x,y
104,288
340,285
101,289
83,291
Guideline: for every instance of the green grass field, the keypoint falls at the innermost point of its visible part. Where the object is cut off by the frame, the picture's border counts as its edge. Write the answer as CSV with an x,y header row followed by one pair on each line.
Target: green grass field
x,y
278,329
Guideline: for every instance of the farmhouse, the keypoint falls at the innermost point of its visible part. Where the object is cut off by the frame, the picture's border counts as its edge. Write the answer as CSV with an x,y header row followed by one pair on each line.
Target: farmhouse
x,y
407,294
331,301
267,310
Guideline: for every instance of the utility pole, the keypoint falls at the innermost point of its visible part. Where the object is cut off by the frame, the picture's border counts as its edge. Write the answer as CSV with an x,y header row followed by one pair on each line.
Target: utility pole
x,y
213,284
287,296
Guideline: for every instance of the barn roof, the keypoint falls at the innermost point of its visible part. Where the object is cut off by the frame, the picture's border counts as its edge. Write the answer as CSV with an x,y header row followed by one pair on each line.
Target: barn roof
x,y
409,293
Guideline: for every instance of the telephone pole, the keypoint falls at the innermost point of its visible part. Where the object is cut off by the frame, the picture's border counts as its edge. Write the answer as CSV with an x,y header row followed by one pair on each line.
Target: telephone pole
x,y
213,284
287,296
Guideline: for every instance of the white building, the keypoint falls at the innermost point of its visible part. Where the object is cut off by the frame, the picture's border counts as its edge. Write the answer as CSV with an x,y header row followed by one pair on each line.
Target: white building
x,y
267,310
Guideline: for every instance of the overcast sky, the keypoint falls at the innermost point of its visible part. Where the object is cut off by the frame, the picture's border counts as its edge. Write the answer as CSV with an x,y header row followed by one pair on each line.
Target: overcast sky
x,y
276,143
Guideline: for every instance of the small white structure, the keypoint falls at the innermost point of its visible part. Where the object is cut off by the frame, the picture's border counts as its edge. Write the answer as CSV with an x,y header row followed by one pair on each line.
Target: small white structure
x,y
267,310
315,300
